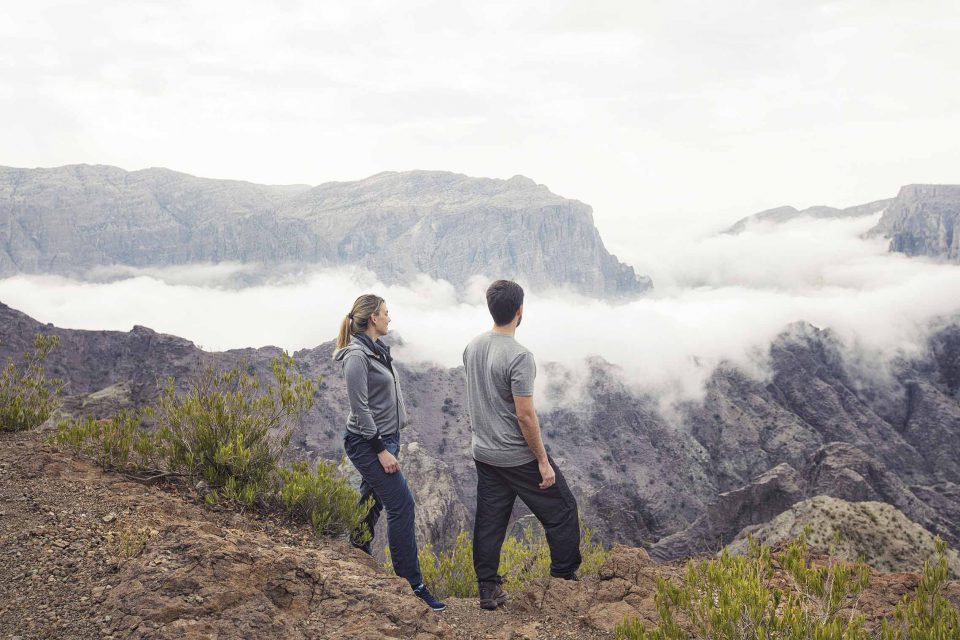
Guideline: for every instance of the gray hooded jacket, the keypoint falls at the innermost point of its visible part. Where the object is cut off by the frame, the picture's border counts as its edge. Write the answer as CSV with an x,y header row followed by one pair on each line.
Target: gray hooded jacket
x,y
376,401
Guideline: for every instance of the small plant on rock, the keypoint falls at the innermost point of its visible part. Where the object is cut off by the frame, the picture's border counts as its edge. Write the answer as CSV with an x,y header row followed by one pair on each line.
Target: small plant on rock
x,y
321,497
734,597
926,614
523,561
119,444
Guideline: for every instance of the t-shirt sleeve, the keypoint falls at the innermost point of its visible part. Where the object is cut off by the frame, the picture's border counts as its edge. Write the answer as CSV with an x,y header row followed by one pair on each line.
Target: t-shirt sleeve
x,y
523,371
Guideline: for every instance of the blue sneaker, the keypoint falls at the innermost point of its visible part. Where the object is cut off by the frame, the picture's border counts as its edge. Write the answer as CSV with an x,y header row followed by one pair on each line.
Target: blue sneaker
x,y
424,594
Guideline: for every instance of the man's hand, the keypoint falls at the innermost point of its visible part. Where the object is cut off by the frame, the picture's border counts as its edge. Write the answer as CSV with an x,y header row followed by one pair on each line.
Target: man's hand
x,y
389,463
548,474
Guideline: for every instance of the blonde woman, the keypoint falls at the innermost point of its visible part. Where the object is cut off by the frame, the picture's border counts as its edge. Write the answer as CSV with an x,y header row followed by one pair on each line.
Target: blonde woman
x,y
372,440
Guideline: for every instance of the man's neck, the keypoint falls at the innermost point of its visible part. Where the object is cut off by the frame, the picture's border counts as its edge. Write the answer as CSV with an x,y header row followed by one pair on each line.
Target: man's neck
x,y
507,329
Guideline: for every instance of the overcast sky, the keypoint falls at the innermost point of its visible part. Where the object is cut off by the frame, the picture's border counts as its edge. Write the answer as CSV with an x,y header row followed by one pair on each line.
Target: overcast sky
x,y
664,116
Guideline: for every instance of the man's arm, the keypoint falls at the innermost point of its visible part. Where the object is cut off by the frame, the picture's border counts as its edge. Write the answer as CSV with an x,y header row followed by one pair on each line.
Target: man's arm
x,y
530,428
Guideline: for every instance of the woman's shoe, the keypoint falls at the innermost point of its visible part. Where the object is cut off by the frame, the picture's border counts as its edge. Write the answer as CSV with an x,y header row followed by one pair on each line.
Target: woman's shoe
x,y
424,594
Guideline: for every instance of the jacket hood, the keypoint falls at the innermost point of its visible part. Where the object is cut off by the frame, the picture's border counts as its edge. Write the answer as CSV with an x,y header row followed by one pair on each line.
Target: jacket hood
x,y
353,346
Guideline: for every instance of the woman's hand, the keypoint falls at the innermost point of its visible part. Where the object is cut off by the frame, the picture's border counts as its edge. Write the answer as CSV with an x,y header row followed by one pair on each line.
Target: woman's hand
x,y
389,463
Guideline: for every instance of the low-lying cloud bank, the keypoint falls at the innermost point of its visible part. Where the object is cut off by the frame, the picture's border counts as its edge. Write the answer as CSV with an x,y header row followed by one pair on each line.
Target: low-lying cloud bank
x,y
720,298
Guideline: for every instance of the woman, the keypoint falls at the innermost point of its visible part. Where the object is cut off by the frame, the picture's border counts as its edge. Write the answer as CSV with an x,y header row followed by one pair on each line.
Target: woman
x,y
372,441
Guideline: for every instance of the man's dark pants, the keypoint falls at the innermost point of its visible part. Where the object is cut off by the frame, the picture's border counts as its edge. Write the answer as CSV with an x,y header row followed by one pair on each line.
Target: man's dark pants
x,y
555,508
390,491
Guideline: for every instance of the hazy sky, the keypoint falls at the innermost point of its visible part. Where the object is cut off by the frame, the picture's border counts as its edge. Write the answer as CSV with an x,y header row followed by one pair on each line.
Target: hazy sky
x,y
665,116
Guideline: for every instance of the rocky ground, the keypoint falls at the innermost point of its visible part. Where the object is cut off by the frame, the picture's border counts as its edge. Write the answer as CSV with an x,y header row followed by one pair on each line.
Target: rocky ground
x,y
88,554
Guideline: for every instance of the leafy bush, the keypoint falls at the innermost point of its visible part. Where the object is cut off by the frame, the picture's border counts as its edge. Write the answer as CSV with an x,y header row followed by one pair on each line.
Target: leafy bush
x,y
522,561
228,433
737,597
27,398
119,443
321,497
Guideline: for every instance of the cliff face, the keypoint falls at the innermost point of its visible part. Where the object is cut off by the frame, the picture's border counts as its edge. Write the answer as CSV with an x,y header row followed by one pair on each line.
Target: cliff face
x,y
747,452
70,219
924,220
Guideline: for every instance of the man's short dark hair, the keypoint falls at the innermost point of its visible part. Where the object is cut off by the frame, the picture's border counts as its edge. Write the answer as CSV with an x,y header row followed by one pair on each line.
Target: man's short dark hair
x,y
504,297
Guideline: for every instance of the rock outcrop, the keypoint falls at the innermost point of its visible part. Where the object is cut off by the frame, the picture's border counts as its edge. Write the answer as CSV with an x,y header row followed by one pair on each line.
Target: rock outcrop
x,y
71,219
880,533
924,220
765,497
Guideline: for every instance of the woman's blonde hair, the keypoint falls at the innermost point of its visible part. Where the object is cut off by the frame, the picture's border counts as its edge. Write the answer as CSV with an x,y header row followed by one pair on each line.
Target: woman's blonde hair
x,y
363,307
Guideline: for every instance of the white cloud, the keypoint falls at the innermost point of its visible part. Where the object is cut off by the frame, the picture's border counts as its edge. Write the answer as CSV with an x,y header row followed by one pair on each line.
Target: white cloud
x,y
718,298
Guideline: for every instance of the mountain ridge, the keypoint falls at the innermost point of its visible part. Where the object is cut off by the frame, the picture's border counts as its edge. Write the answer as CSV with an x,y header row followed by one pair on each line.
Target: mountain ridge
x,y
69,220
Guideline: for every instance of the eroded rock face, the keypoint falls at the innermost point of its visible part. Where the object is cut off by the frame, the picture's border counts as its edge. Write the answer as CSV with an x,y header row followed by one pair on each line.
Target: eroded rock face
x,y
625,588
767,496
924,220
201,581
68,220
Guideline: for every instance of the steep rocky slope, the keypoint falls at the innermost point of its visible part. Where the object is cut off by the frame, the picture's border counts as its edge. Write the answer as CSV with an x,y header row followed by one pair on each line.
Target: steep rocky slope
x,y
819,425
69,219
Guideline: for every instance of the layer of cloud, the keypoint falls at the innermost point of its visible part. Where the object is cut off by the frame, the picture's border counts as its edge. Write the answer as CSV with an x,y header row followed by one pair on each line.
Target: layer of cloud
x,y
717,299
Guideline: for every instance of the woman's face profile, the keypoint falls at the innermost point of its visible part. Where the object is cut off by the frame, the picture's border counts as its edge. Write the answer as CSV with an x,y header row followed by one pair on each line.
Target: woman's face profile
x,y
381,320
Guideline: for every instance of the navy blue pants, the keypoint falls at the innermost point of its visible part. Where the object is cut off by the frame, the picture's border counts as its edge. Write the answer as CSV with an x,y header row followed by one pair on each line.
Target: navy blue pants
x,y
555,508
390,492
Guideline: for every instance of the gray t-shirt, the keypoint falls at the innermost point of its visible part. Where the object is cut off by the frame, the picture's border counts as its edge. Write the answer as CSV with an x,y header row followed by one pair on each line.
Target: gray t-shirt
x,y
498,368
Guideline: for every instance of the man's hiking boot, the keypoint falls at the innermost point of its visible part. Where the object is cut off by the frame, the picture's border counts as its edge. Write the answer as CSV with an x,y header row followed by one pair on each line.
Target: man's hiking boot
x,y
424,594
569,576
492,595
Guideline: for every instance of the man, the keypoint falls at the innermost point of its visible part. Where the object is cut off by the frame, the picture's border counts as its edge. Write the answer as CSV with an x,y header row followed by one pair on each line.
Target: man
x,y
508,449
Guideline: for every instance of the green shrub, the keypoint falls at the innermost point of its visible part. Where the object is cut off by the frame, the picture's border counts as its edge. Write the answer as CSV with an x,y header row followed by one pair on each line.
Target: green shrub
x,y
925,615
321,497
522,561
27,398
227,432
737,597
119,443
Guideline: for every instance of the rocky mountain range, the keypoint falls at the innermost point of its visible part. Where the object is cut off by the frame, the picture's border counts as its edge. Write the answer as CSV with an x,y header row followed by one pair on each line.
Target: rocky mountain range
x,y
786,214
69,220
822,423
922,220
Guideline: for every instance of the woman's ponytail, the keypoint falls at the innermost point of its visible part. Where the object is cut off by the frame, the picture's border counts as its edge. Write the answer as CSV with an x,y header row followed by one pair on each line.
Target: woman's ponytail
x,y
363,307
